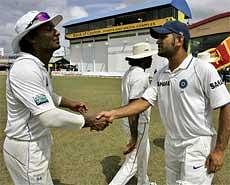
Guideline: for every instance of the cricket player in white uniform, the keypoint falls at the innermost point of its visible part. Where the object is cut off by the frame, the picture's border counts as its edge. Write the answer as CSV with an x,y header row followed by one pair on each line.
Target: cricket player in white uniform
x,y
31,102
186,91
134,82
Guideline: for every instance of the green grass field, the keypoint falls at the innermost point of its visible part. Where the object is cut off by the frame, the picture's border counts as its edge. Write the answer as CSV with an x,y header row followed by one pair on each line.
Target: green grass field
x,y
92,158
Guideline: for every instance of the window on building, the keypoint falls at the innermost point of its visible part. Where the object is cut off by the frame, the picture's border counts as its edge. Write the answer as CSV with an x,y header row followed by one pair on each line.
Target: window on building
x,y
78,28
110,22
128,18
203,43
101,38
87,41
123,35
165,12
98,24
144,33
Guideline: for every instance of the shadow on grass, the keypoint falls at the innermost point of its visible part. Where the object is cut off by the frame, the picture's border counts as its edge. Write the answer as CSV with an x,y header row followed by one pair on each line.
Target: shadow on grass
x,y
58,182
111,165
159,142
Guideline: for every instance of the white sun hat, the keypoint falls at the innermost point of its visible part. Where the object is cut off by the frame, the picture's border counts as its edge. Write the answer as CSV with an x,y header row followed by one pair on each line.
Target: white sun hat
x,y
206,56
30,21
141,50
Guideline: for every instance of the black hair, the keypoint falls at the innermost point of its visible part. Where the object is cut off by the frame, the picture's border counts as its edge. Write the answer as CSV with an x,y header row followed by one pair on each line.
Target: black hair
x,y
134,62
186,43
141,62
25,44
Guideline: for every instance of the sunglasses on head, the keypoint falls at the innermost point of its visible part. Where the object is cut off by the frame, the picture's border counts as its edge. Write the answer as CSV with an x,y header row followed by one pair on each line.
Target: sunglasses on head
x,y
42,16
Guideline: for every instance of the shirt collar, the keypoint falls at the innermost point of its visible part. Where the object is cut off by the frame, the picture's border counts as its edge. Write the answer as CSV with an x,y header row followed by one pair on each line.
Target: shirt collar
x,y
136,67
184,65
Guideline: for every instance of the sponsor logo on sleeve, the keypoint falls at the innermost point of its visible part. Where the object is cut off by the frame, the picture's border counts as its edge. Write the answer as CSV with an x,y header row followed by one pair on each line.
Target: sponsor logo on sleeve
x,y
40,99
163,83
216,84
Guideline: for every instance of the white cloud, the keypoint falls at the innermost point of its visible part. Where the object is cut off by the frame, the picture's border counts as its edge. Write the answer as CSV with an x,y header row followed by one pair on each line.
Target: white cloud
x,y
121,6
78,12
207,8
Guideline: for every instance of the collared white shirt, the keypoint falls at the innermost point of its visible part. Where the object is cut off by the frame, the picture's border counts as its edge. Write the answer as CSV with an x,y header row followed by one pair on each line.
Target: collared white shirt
x,y
29,93
134,83
186,98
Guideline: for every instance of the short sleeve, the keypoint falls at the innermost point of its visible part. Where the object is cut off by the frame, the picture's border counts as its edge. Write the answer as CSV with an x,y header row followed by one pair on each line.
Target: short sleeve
x,y
150,93
139,84
27,85
212,84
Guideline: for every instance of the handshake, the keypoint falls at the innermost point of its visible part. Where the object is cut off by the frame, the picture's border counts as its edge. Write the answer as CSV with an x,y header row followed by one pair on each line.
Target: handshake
x,y
96,122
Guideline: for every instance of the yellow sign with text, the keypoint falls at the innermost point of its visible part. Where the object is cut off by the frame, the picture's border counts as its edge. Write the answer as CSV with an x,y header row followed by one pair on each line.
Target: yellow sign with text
x,y
127,27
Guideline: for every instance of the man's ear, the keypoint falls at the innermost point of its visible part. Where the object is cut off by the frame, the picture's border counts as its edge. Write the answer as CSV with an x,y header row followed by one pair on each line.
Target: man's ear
x,y
180,40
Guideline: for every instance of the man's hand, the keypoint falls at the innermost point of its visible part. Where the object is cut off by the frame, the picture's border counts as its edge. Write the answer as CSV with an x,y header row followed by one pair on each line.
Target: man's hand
x,y
78,107
73,105
215,161
106,115
95,124
130,146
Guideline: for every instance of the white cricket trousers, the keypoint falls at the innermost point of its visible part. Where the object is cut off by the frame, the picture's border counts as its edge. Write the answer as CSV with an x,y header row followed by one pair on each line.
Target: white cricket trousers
x,y
136,161
185,161
28,161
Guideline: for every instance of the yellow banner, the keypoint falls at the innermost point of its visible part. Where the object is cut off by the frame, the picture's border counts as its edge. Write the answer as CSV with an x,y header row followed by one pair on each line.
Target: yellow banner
x,y
127,27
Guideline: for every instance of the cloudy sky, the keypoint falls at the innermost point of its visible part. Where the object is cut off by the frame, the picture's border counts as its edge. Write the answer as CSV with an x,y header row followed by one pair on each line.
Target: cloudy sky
x,y
11,10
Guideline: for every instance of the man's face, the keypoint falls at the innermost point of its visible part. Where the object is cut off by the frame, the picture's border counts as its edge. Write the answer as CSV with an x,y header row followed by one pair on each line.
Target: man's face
x,y
167,46
147,61
47,37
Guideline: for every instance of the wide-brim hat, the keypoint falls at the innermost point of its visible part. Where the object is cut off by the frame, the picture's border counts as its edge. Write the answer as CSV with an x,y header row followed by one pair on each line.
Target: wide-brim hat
x,y
141,50
29,22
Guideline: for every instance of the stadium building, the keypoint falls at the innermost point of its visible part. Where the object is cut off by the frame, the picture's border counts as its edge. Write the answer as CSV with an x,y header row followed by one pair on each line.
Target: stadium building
x,y
99,43
210,32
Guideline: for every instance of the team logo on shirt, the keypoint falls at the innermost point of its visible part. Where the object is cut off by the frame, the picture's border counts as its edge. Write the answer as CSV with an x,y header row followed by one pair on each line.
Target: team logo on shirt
x,y
183,83
40,99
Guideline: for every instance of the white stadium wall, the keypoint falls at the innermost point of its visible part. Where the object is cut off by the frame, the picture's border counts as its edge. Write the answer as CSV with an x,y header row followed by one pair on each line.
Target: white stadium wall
x,y
107,53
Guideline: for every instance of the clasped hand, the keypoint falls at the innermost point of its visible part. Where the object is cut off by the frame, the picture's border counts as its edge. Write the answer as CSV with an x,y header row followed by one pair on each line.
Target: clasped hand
x,y
94,123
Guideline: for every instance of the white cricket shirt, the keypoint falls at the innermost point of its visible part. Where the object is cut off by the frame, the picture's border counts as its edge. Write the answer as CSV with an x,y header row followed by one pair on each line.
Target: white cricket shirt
x,y
134,83
28,93
186,98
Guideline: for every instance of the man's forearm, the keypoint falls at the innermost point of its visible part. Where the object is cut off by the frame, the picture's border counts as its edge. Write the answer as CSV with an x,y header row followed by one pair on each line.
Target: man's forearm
x,y
224,128
61,118
133,124
134,107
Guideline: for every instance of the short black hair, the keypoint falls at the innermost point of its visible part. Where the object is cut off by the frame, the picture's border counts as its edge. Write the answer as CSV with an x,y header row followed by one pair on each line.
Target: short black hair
x,y
186,44
25,44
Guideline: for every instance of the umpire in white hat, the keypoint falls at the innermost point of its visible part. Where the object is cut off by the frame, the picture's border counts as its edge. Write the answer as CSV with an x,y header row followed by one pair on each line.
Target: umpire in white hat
x,y
134,82
31,102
